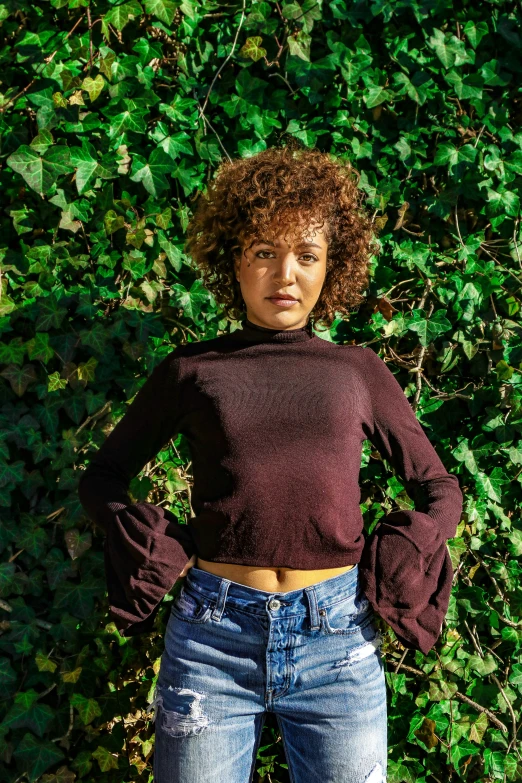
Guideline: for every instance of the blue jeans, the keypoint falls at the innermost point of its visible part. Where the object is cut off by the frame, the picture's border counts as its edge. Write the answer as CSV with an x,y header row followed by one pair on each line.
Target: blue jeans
x,y
233,653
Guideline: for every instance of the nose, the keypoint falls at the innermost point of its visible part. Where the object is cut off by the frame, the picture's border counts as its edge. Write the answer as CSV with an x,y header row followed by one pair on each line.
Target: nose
x,y
284,273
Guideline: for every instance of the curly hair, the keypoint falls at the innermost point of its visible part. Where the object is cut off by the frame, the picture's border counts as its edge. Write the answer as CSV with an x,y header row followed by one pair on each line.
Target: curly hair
x,y
284,188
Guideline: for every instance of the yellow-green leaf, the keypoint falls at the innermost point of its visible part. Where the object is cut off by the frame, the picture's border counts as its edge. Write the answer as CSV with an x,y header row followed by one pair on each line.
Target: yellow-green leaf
x,y
93,86
252,48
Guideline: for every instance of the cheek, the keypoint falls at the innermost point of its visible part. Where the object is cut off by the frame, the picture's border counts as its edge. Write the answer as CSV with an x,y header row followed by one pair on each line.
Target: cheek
x,y
252,278
319,281
312,287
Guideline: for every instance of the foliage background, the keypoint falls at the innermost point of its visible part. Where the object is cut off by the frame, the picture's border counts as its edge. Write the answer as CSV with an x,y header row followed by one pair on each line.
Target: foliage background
x,y
112,116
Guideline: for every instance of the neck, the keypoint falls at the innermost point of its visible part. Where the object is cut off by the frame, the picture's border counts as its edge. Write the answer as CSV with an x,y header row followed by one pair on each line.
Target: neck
x,y
254,333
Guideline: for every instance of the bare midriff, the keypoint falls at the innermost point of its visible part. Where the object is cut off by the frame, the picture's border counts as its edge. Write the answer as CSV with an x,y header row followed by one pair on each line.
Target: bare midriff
x,y
272,580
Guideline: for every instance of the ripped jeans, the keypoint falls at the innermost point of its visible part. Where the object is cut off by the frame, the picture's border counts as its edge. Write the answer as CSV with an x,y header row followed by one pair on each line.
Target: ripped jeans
x,y
233,653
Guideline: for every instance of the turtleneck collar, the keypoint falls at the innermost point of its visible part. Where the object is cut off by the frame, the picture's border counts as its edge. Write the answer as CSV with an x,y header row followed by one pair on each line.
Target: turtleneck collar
x,y
253,333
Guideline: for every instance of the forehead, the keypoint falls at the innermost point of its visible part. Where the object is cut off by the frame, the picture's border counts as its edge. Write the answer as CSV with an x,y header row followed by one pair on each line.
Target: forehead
x,y
311,236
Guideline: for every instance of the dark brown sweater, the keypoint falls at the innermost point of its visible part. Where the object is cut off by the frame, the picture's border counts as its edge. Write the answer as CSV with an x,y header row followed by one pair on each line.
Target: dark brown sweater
x,y
275,422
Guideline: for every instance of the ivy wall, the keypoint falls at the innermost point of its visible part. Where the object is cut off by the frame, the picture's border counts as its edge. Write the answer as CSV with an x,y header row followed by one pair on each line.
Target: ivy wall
x,y
113,115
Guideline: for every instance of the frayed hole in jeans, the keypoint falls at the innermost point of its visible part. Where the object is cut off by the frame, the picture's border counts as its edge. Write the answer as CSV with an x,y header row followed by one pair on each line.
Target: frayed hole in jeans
x,y
362,650
188,719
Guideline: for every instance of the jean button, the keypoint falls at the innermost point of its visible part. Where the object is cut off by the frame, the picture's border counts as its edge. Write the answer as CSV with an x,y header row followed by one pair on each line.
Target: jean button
x,y
274,603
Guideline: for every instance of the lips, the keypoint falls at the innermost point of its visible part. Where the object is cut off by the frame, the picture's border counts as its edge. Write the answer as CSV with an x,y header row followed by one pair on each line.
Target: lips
x,y
277,301
284,297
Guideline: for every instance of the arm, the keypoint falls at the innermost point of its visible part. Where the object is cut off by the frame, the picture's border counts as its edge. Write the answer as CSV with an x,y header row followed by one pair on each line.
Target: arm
x,y
405,566
146,548
398,436
147,425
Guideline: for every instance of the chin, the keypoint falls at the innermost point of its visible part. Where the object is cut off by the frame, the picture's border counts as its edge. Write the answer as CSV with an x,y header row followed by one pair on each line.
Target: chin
x,y
277,316
285,314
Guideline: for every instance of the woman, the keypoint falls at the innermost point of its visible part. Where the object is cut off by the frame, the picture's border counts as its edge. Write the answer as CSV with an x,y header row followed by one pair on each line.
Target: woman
x,y
274,613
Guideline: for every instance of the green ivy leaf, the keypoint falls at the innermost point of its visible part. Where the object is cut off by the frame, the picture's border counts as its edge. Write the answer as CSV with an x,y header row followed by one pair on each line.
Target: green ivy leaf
x,y
440,689
447,153
77,598
175,145
152,173
19,377
428,330
42,141
35,756
514,542
461,751
120,15
475,31
482,666
505,201
106,760
299,45
88,709
43,662
40,172
113,222
449,49
164,10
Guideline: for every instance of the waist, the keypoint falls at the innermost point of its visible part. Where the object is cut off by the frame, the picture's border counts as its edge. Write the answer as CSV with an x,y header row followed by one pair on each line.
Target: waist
x,y
326,592
272,580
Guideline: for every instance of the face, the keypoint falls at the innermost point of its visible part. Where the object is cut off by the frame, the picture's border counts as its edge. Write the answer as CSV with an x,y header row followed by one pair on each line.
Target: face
x,y
266,268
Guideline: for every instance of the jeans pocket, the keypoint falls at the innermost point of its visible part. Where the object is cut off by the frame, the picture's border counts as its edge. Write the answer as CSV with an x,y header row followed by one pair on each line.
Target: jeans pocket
x,y
191,607
347,616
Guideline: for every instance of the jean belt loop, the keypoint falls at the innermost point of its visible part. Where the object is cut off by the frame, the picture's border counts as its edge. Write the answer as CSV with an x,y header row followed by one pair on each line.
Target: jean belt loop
x,y
312,603
222,597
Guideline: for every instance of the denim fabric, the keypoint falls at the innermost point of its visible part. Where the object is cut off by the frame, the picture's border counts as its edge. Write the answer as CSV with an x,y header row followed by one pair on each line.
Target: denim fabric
x,y
233,653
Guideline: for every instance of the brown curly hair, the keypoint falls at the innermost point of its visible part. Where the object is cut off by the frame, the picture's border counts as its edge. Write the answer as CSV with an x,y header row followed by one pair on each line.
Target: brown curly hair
x,y
284,188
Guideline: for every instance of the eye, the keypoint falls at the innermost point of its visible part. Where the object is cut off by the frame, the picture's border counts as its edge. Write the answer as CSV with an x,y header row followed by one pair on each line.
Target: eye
x,y
309,255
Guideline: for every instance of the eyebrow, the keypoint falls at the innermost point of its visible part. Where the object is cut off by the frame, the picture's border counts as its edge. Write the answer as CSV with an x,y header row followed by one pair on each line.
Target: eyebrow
x,y
301,244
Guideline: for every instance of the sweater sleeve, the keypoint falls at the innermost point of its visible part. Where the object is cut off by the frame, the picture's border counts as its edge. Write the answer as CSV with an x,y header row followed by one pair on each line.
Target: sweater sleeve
x,y
405,564
145,546
148,424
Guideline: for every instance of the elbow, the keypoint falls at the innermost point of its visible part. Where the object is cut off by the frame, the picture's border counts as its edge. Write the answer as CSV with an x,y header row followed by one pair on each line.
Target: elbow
x,y
441,498
458,496
102,494
453,501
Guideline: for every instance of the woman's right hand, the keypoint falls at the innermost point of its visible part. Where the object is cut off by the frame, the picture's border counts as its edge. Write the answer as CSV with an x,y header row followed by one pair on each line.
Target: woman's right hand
x,y
189,565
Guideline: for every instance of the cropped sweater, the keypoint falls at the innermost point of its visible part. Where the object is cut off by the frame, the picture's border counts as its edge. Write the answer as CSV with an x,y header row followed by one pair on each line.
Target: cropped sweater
x,y
275,421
